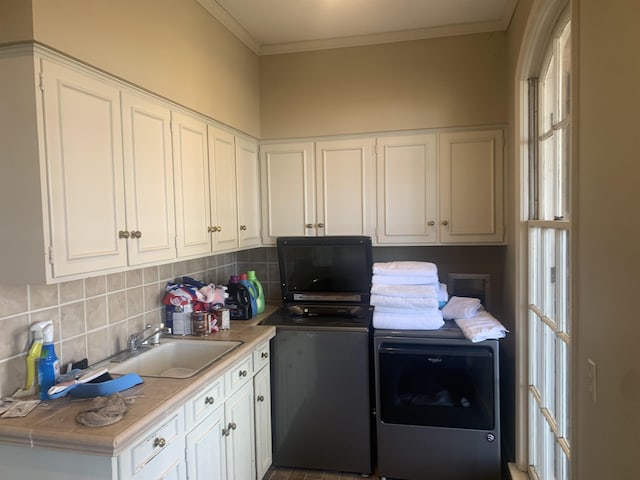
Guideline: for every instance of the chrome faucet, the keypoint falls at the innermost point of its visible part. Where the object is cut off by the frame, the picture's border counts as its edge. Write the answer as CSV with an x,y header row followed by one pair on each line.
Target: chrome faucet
x,y
139,338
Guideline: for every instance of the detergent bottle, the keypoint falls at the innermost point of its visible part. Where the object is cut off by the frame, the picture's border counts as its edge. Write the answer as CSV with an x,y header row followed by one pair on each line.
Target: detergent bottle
x,y
253,293
48,365
251,274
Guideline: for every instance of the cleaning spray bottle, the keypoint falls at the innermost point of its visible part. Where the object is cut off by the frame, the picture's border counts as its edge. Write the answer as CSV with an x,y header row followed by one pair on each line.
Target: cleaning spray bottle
x,y
49,365
33,356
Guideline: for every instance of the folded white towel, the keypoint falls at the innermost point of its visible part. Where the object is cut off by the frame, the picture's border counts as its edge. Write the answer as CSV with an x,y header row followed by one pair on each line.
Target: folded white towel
x,y
405,268
461,307
481,327
404,279
443,295
404,302
426,291
429,319
403,310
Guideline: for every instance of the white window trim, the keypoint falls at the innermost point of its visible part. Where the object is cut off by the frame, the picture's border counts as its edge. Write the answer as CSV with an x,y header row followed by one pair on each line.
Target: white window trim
x,y
540,24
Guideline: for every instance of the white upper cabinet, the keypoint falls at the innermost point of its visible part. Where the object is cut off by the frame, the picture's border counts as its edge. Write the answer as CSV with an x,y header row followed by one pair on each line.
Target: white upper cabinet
x,y
471,187
191,168
248,186
83,143
326,188
148,177
345,187
223,190
407,190
288,195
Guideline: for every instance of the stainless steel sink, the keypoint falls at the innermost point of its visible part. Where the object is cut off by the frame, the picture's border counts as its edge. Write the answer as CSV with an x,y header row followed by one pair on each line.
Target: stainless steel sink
x,y
172,358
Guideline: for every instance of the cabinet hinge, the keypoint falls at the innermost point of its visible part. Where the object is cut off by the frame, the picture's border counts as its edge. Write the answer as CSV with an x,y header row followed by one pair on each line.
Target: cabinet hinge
x,y
51,255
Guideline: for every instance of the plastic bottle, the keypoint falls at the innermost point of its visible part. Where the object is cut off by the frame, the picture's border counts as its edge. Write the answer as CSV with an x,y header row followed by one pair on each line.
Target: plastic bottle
x,y
238,302
34,354
253,293
49,365
251,274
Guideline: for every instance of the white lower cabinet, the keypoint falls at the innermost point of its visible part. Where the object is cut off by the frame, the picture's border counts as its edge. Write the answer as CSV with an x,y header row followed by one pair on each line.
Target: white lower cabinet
x,y
159,454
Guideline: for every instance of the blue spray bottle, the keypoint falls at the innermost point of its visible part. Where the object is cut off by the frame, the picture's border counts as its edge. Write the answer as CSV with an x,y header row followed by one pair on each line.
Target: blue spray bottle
x,y
49,365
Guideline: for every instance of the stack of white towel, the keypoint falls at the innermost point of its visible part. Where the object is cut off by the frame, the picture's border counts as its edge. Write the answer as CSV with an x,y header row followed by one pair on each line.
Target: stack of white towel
x,y
406,296
475,322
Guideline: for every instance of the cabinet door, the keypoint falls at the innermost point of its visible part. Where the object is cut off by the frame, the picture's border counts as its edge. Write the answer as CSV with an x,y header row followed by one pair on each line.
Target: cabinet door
x,y
240,444
206,448
262,395
149,180
248,181
471,186
345,187
407,189
191,168
222,170
288,198
83,140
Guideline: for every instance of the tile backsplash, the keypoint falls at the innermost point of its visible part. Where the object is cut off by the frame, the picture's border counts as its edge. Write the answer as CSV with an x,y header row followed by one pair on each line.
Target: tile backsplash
x,y
93,317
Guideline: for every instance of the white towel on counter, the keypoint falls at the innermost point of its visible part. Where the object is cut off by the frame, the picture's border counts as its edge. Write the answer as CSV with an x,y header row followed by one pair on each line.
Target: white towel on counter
x,y
404,303
461,307
404,279
426,291
483,326
428,319
405,268
443,295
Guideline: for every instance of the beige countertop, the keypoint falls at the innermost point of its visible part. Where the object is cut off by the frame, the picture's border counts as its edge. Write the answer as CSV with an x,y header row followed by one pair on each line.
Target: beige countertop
x,y
52,423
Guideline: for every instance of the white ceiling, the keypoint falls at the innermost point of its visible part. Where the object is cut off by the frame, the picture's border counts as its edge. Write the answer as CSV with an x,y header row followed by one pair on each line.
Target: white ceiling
x,y
281,26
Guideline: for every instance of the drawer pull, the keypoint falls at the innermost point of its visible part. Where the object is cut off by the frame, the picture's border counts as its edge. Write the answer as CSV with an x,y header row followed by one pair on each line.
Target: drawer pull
x,y
260,398
159,442
226,432
209,401
242,373
232,426
264,355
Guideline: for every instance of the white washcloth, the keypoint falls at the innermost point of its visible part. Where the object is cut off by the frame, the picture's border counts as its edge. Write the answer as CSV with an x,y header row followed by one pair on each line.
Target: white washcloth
x,y
407,303
404,279
443,295
461,307
427,291
429,319
405,268
481,327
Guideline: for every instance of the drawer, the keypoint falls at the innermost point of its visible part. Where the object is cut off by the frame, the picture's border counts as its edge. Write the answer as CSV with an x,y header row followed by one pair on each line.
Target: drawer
x,y
239,374
157,447
261,356
205,402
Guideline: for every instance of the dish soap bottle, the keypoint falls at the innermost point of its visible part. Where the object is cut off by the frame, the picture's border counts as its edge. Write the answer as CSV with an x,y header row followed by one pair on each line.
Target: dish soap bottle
x,y
251,275
49,365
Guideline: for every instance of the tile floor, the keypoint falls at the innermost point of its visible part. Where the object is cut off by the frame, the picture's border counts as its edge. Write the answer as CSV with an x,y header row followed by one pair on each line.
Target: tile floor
x,y
296,474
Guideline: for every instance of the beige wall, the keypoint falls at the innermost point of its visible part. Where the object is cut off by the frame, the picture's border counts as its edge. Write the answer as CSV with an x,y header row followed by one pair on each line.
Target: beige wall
x,y
174,48
608,258
15,21
433,83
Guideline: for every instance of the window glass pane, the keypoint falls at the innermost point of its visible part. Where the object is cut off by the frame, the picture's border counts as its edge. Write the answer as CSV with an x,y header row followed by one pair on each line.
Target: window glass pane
x,y
561,173
534,267
548,255
550,370
562,390
548,96
565,72
562,280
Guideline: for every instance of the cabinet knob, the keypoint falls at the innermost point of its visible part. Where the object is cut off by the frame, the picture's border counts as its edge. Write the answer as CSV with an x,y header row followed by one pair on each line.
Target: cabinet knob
x,y
445,222
159,442
264,355
218,228
260,398
243,227
226,432
309,225
232,426
136,234
431,223
209,401
123,234
321,225
242,373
